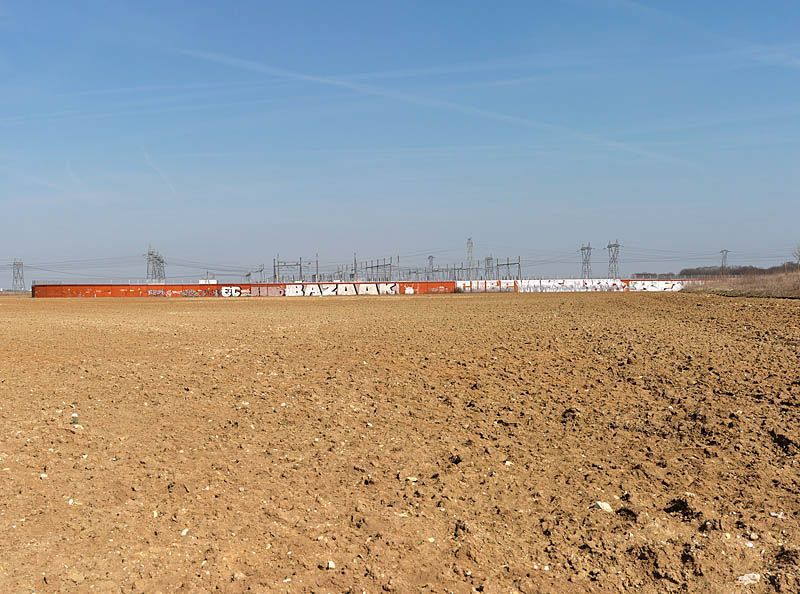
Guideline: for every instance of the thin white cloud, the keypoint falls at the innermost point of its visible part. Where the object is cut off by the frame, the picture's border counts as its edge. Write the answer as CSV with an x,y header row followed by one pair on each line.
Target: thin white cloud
x,y
546,61
75,177
183,87
155,110
778,55
516,81
39,181
252,66
165,178
17,171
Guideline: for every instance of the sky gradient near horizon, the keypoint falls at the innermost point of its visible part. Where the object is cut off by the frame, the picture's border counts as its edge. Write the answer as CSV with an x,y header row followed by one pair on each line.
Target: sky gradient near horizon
x,y
228,132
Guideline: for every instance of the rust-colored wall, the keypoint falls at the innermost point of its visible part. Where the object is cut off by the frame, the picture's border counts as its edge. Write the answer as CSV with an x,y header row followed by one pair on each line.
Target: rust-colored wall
x,y
220,290
125,290
231,290
427,287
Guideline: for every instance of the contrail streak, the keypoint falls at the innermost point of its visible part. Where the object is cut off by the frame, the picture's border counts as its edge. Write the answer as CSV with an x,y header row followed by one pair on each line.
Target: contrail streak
x,y
417,100
766,54
159,172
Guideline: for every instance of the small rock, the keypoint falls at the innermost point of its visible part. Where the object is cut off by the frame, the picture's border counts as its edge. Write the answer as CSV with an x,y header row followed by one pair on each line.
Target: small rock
x,y
604,505
330,565
184,532
43,476
748,579
779,515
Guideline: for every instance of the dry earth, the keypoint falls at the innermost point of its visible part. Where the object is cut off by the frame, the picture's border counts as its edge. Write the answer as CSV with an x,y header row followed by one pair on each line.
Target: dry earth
x,y
427,444
762,285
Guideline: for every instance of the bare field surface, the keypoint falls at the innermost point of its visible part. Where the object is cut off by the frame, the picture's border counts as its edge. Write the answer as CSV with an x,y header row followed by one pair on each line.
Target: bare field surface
x,y
427,444
785,286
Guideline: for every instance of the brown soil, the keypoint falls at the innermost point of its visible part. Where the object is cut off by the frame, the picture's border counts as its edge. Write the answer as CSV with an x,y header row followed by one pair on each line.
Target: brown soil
x,y
782,285
426,444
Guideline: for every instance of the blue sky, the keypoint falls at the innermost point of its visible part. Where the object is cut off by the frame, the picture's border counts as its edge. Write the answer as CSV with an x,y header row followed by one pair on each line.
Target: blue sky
x,y
225,132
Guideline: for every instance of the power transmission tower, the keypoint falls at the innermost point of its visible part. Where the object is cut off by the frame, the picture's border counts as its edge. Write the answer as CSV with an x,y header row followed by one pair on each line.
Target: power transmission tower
x,y
613,259
509,265
160,272
586,261
378,270
150,264
278,266
724,262
155,267
18,276
488,270
469,258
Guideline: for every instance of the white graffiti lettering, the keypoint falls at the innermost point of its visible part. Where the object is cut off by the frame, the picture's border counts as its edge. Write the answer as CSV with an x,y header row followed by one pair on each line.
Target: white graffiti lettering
x,y
341,289
294,290
230,291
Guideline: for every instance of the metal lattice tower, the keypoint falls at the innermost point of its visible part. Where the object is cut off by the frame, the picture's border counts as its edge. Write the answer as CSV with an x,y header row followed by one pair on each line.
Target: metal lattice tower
x,y
586,261
613,259
155,267
469,258
18,276
724,262
279,266
488,268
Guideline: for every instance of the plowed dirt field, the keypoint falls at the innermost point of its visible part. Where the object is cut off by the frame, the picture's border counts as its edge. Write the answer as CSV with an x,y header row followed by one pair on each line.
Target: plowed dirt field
x,y
409,444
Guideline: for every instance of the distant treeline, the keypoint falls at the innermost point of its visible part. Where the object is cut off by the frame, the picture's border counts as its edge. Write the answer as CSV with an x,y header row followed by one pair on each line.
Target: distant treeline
x,y
718,271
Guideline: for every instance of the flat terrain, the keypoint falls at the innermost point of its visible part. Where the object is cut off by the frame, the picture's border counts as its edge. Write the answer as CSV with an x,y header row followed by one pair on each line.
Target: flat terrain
x,y
401,444
785,285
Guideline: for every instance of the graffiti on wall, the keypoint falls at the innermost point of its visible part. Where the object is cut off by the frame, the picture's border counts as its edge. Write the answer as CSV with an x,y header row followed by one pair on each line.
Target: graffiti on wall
x,y
655,285
486,286
234,291
267,291
361,288
570,285
427,287
340,289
